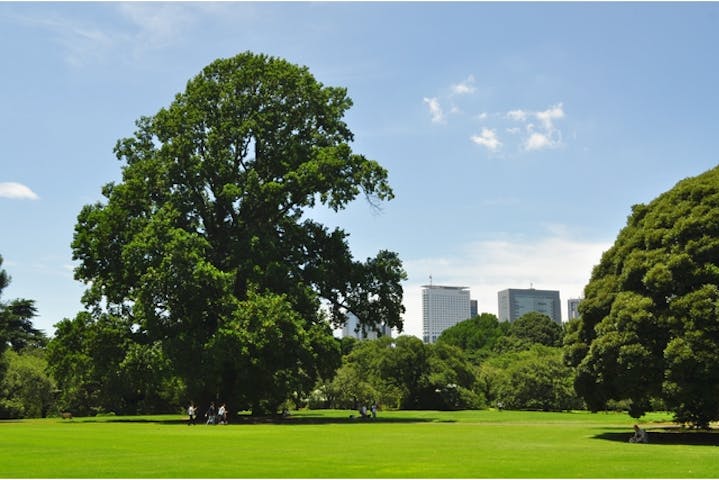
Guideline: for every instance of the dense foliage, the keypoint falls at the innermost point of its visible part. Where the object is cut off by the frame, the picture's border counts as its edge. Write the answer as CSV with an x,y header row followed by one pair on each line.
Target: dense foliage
x,y
100,366
649,324
25,389
478,334
532,378
474,364
207,233
403,373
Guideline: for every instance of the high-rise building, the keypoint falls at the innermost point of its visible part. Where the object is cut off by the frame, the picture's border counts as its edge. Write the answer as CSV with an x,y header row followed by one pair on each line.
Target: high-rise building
x,y
515,302
573,308
443,307
473,309
353,329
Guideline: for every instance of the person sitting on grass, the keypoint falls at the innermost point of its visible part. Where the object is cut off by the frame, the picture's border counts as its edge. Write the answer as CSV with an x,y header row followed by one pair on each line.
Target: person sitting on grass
x,y
640,435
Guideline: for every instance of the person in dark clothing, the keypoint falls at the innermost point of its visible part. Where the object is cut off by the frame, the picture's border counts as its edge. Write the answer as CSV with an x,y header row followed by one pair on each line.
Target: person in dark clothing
x,y
211,416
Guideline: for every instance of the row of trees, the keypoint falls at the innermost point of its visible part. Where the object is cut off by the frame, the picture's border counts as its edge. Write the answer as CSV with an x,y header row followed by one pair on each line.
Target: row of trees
x,y
475,364
96,365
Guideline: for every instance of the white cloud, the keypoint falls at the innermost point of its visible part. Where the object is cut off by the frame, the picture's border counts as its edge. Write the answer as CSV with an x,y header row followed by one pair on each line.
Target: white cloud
x,y
464,87
548,116
556,261
537,141
439,114
517,115
546,134
529,130
435,110
488,138
16,191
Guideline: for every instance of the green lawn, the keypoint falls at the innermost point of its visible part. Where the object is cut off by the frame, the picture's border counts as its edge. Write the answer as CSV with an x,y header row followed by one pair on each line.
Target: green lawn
x,y
329,444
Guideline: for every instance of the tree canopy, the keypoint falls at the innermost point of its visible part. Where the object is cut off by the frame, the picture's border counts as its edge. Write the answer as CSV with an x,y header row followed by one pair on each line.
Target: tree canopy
x,y
480,332
536,327
16,328
649,325
211,226
25,389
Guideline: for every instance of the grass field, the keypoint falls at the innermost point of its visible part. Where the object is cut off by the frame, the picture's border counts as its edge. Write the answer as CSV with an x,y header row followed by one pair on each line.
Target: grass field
x,y
328,444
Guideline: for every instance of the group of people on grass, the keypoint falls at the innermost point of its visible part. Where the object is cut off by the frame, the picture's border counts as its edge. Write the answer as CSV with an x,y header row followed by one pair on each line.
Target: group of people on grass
x,y
365,413
214,416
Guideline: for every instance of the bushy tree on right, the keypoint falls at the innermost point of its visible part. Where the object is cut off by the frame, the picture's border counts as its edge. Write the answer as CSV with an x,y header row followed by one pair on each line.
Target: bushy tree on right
x,y
649,322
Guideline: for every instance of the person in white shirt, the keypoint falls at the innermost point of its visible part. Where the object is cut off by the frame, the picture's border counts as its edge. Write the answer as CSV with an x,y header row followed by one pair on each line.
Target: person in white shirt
x,y
191,413
222,415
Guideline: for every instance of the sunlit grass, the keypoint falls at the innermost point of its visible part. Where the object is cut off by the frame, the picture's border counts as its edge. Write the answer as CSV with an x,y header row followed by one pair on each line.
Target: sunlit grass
x,y
329,444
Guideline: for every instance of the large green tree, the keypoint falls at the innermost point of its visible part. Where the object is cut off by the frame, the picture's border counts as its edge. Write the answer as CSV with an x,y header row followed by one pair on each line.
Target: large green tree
x,y
649,325
212,217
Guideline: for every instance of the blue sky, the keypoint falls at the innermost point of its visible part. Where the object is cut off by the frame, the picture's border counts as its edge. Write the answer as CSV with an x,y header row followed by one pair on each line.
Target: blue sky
x,y
517,135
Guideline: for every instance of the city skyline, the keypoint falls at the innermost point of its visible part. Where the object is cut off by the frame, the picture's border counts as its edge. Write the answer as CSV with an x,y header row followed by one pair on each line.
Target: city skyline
x,y
517,136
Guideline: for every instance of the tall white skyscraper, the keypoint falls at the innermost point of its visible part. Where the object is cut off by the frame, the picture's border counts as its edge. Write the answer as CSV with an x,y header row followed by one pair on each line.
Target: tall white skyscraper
x,y
443,307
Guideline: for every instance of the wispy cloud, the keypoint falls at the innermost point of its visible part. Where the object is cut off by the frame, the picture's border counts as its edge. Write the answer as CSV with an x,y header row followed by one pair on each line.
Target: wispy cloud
x,y
439,114
517,115
16,191
135,28
435,110
80,42
156,25
465,87
555,261
488,138
548,116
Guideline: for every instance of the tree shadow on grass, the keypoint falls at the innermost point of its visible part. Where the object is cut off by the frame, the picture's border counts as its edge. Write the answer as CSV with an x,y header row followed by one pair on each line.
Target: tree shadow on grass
x,y
174,421
322,420
668,436
274,420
